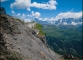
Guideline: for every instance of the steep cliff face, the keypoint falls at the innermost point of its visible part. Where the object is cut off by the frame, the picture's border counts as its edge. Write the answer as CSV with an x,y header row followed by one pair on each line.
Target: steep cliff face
x,y
20,39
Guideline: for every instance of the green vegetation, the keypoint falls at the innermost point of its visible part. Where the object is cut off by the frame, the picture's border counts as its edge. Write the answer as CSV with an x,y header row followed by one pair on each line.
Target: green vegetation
x,y
39,27
64,39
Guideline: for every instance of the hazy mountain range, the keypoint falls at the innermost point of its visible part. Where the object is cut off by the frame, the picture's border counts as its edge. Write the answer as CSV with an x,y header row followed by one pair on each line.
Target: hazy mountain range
x,y
64,21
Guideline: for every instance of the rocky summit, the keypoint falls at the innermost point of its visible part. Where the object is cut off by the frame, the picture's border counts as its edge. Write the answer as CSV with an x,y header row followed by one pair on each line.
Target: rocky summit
x,y
20,42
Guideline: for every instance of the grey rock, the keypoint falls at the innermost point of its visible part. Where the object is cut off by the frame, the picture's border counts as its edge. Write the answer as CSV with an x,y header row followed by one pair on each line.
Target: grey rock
x,y
21,39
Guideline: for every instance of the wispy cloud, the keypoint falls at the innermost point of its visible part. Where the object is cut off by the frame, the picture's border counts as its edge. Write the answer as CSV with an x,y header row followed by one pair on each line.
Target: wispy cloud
x,y
26,4
18,14
34,14
26,17
12,12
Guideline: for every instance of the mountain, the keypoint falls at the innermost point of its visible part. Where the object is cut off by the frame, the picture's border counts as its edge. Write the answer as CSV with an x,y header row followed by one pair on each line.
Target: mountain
x,y
69,21
40,21
23,41
64,21
64,39
64,35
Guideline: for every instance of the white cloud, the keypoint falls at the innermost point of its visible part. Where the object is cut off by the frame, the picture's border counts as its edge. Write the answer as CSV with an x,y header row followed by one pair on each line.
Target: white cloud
x,y
40,18
69,15
65,23
13,12
46,19
3,0
49,5
60,16
23,16
26,4
35,14
65,15
32,13
52,19
21,4
73,23
27,20
29,15
18,14
28,9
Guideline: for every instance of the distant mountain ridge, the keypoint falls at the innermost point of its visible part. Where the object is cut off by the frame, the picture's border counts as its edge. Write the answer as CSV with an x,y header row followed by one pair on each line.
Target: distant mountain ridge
x,y
65,21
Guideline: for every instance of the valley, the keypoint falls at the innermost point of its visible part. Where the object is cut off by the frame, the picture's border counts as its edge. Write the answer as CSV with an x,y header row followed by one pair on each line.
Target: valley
x,y
64,39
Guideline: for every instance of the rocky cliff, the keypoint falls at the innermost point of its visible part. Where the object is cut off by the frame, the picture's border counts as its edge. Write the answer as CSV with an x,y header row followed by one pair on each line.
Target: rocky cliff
x,y
22,43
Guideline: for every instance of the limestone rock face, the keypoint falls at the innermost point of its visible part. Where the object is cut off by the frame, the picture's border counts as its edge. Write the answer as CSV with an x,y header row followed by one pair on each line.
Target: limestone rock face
x,y
2,10
21,39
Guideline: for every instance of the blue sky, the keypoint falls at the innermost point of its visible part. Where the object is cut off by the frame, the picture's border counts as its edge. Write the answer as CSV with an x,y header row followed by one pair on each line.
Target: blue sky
x,y
43,9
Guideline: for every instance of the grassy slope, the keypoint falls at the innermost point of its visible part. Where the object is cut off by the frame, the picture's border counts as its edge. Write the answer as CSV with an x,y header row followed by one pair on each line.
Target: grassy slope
x,y
39,27
64,40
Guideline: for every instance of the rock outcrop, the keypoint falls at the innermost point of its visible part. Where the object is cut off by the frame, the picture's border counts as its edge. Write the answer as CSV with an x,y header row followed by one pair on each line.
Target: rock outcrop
x,y
37,31
20,39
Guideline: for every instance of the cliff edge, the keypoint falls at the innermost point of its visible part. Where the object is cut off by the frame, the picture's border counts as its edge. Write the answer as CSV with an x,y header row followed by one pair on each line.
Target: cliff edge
x,y
18,38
